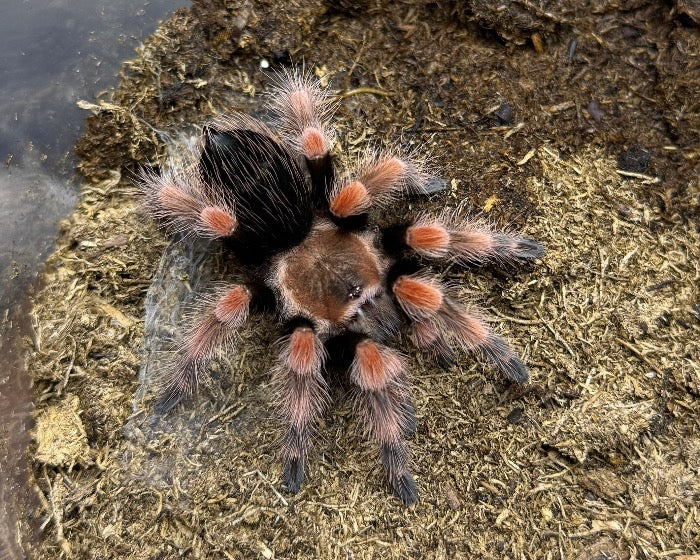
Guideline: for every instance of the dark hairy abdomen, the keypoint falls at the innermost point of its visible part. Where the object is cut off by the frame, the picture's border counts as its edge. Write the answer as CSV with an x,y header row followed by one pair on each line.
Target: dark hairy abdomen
x,y
270,195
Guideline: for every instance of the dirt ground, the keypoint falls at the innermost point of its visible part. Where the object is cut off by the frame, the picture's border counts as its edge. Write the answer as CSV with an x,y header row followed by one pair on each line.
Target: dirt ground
x,y
574,121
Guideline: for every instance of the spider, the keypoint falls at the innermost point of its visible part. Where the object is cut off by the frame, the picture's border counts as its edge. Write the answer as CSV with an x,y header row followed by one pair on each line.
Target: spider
x,y
340,286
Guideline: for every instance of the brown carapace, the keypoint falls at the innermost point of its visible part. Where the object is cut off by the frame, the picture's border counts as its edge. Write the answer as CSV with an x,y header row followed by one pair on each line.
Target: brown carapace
x,y
340,288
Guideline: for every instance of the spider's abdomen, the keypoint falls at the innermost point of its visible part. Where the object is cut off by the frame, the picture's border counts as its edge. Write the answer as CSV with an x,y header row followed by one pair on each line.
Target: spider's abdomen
x,y
252,170
329,276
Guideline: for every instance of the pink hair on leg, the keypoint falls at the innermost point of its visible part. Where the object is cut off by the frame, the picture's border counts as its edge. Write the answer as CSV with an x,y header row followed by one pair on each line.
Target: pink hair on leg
x,y
419,297
431,240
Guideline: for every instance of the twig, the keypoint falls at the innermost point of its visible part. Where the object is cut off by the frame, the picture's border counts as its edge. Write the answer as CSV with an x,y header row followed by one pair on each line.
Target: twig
x,y
513,319
513,130
438,130
223,412
274,490
57,494
66,376
639,354
363,90
638,176
542,13
558,159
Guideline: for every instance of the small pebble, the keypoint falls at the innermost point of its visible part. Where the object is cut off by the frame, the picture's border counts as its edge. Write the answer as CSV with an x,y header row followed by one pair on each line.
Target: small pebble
x,y
515,416
452,499
635,159
537,43
504,113
595,111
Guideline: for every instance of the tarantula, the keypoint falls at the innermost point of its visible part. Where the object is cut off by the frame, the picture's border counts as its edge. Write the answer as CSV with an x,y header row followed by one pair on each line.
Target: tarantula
x,y
339,286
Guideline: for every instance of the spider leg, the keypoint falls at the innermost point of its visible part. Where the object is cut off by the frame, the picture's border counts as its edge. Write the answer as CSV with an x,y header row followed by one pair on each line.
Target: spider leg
x,y
215,326
378,178
303,111
466,242
427,337
182,205
302,396
378,374
439,319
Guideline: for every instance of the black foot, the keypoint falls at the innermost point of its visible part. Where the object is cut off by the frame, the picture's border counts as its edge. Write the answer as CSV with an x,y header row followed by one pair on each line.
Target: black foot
x,y
394,461
515,370
411,425
293,474
166,402
406,488
432,185
529,249
445,357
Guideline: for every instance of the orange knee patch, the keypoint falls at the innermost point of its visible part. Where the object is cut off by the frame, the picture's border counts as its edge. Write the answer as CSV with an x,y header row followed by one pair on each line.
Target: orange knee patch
x,y
375,366
217,221
431,239
418,295
352,199
232,307
313,143
302,351
384,175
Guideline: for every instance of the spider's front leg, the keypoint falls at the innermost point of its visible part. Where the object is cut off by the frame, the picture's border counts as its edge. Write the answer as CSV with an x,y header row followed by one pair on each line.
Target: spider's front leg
x,y
215,325
376,180
302,394
378,374
438,320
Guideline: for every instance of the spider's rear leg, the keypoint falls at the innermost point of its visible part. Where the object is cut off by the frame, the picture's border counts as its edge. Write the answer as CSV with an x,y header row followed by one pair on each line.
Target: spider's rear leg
x,y
428,337
440,320
378,374
216,325
302,394
378,178
465,242
303,111
184,206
